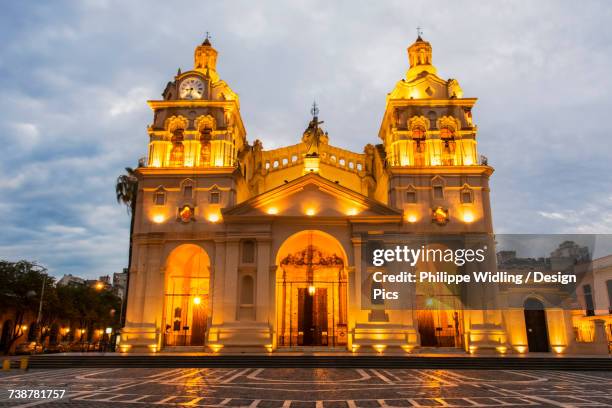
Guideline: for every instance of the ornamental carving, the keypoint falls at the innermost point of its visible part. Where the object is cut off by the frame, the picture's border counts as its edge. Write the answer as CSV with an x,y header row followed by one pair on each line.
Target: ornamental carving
x,y
312,256
205,122
418,122
174,123
448,122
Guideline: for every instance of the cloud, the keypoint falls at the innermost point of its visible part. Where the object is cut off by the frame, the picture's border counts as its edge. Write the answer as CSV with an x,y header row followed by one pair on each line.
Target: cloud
x,y
76,77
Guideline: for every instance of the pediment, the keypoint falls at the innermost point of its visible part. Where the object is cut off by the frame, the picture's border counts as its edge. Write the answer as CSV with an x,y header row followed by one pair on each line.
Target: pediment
x,y
311,195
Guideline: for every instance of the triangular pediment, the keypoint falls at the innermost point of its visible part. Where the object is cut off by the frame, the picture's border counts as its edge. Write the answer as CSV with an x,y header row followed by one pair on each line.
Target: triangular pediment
x,y
311,195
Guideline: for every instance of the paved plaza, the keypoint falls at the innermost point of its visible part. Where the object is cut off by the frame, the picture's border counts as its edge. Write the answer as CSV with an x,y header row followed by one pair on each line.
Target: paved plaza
x,y
301,387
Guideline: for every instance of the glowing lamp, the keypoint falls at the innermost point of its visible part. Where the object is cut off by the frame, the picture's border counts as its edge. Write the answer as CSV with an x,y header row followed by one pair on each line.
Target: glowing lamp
x,y
411,218
269,348
109,330
99,286
310,212
354,347
520,349
468,161
501,349
379,348
272,211
24,327
197,300
214,217
351,211
312,290
558,349
216,347
468,217
158,218
124,348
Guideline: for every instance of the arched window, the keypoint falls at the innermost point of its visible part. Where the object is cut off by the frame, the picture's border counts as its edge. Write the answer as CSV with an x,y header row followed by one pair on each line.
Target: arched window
x,y
177,153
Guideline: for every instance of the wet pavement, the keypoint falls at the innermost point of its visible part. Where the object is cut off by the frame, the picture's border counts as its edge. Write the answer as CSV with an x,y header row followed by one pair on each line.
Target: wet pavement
x,y
301,387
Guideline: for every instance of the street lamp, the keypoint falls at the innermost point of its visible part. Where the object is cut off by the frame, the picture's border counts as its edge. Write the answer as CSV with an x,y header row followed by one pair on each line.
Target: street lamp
x,y
99,285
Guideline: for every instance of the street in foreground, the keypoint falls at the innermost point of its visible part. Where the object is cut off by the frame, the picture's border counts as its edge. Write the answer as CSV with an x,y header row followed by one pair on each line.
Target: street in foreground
x,y
286,387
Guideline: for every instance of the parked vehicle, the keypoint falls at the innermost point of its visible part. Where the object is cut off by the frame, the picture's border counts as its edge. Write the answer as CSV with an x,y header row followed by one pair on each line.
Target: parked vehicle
x,y
29,347
55,348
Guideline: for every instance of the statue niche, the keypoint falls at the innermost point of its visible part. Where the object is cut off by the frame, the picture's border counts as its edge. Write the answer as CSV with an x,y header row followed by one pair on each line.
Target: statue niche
x,y
205,138
177,154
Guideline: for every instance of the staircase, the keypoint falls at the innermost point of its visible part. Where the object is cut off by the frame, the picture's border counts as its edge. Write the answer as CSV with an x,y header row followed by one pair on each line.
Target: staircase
x,y
322,361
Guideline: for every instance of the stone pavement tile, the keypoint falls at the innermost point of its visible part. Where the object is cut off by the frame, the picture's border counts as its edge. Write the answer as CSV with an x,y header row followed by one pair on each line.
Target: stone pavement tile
x,y
367,403
238,402
271,404
335,404
303,404
398,403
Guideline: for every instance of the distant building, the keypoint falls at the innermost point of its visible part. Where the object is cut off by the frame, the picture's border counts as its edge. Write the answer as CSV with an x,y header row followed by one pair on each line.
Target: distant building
x,y
120,283
70,280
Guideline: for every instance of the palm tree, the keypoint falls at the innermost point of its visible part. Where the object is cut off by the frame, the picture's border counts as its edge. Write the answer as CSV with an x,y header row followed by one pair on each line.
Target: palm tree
x,y
126,190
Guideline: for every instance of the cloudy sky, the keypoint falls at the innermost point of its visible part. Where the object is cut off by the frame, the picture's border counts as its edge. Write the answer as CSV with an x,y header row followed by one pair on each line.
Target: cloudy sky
x,y
75,77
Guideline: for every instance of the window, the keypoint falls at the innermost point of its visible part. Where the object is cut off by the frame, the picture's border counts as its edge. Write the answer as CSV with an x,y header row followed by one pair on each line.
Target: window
x,y
466,197
411,196
159,198
187,191
215,197
248,252
246,291
246,310
588,300
438,192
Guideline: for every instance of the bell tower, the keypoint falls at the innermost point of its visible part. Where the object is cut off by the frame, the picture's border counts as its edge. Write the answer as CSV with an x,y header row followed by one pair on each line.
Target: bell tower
x,y
434,172
198,122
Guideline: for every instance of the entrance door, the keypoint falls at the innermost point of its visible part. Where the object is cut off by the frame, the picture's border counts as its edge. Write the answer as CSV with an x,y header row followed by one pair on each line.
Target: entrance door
x,y
439,328
312,317
535,323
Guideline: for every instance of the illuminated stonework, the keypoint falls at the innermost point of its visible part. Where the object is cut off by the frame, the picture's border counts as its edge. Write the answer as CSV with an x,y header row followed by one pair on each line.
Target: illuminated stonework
x,y
235,246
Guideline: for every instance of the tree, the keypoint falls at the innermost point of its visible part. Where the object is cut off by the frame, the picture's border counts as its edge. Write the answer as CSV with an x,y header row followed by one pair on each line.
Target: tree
x,y
126,190
21,283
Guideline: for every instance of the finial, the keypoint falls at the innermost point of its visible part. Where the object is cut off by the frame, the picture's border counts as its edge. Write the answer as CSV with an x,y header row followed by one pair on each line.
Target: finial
x,y
419,33
314,110
207,39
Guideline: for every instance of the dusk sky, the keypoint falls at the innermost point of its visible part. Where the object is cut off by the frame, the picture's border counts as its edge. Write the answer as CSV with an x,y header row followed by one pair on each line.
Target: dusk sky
x,y
75,78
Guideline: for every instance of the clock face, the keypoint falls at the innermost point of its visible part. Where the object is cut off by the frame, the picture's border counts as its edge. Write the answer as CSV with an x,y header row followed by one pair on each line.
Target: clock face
x,y
191,88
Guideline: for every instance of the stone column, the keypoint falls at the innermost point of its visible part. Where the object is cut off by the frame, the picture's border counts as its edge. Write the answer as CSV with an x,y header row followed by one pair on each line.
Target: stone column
x,y
263,297
230,295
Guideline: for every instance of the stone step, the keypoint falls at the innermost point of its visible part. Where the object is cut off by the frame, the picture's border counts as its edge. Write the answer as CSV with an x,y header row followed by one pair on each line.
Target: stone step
x,y
320,361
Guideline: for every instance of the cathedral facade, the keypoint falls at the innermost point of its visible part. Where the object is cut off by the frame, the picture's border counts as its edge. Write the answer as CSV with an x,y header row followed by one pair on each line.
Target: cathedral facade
x,y
238,247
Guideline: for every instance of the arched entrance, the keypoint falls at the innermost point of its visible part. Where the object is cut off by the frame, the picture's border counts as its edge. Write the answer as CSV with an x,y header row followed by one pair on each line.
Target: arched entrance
x,y
186,297
439,310
535,324
311,291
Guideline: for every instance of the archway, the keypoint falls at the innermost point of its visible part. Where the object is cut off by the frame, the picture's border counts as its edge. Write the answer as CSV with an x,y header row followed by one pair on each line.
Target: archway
x,y
535,324
439,309
187,289
311,291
